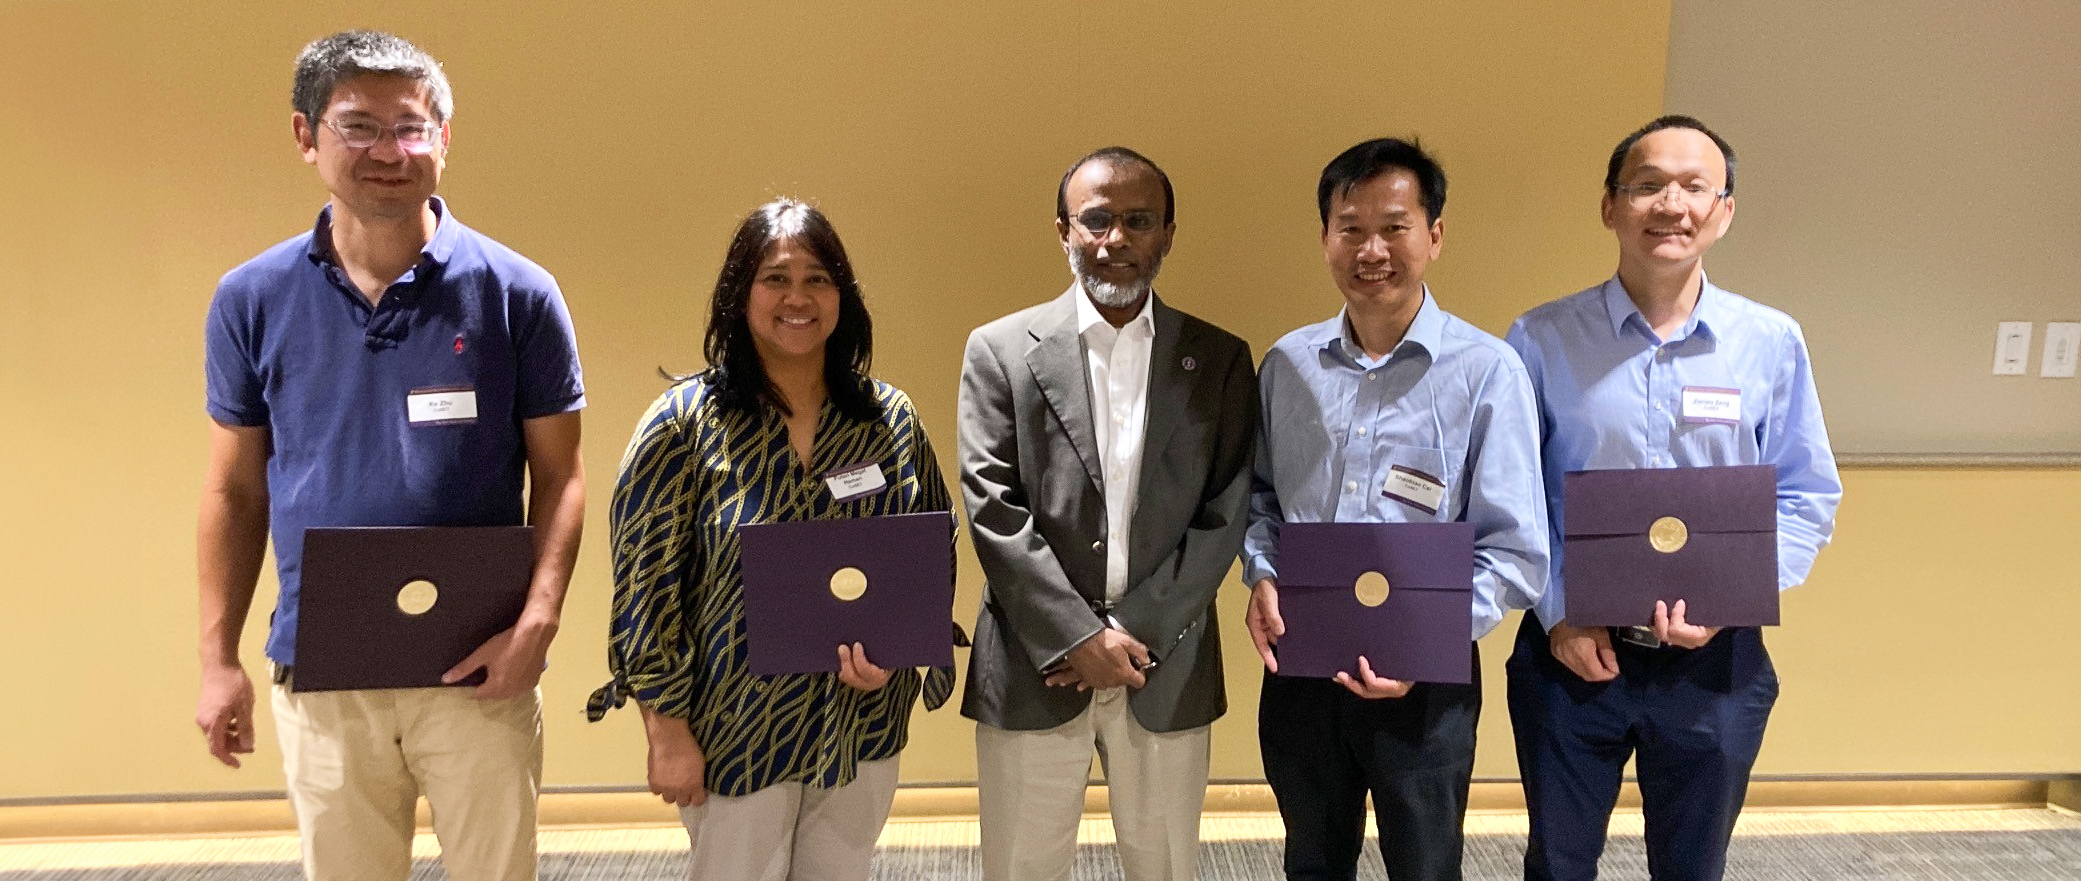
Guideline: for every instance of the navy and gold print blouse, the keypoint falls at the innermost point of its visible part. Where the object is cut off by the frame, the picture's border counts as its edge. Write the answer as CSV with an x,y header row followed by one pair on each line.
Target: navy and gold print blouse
x,y
694,472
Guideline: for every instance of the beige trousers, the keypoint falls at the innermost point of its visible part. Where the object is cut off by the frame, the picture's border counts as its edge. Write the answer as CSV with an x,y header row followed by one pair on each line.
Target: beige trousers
x,y
791,832
1032,792
357,762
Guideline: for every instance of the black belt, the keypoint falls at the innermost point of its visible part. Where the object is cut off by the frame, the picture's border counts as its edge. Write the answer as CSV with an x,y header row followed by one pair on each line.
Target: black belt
x,y
1636,635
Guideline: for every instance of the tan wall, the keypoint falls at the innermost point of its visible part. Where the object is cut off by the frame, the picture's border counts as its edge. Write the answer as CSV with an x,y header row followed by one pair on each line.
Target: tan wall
x,y
151,152
1937,633
1906,93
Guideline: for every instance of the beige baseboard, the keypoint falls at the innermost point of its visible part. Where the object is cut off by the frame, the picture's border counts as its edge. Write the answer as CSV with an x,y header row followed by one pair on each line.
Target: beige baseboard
x,y
2064,793
164,817
1506,796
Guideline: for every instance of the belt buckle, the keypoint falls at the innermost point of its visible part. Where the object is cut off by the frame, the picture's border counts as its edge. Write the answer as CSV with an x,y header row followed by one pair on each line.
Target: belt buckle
x,y
1643,637
281,672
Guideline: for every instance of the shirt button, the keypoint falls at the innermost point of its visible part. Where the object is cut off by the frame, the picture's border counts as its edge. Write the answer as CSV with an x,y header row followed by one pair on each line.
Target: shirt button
x,y
1362,432
1351,486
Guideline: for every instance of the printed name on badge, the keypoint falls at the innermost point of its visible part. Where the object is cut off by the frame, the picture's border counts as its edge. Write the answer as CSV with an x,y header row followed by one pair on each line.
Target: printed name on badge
x,y
1414,488
1720,406
449,405
849,482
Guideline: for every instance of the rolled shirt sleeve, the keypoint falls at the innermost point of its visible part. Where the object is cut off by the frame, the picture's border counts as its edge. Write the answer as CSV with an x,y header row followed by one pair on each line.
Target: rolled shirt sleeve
x,y
651,539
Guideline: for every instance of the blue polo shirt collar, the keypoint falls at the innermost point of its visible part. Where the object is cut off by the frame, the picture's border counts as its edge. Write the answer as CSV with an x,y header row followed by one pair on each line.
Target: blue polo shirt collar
x,y
1426,332
437,252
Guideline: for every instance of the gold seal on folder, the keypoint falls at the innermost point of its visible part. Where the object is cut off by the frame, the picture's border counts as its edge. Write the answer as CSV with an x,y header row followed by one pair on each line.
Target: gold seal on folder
x,y
417,596
1371,589
848,584
1668,535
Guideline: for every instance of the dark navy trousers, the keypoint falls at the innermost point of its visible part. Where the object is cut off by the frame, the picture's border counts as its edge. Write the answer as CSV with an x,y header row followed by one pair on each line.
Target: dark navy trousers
x,y
1325,749
1692,719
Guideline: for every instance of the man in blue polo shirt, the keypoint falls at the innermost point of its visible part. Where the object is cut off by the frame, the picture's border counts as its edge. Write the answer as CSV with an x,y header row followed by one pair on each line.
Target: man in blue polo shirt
x,y
1659,368
1392,411
391,367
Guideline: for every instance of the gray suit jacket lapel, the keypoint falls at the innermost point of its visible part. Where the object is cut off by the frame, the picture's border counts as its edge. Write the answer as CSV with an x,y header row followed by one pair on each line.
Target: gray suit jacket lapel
x,y
1170,393
1170,382
1057,362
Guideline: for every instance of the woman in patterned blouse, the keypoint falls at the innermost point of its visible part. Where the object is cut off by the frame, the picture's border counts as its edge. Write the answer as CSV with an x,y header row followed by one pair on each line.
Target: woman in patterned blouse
x,y
775,776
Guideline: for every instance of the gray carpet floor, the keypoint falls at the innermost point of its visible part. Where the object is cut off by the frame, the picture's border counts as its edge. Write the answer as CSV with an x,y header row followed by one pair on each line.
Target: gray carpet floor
x,y
1980,845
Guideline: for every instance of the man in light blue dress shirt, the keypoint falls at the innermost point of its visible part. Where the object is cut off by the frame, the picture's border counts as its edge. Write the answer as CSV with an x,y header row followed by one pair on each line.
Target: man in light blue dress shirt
x,y
1623,371
1391,380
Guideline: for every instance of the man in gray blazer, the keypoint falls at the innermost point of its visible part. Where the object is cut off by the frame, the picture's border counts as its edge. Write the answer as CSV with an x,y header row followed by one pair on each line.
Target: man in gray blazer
x,y
1106,440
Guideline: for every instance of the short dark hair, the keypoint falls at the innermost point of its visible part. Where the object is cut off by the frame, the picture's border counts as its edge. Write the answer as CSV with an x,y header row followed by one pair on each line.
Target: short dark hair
x,y
329,61
1374,158
734,369
1116,156
1673,120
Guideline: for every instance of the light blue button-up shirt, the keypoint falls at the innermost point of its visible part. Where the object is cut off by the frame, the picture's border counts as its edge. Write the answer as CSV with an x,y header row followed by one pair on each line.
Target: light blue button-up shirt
x,y
1611,395
1450,401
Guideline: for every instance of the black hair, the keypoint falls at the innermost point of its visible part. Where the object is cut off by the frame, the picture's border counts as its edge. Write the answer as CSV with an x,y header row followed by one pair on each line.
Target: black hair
x,y
734,369
1116,156
1374,158
1673,120
329,61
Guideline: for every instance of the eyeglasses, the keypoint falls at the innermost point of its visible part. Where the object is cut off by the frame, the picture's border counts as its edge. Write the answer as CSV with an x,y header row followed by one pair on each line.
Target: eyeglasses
x,y
1098,221
416,138
1693,194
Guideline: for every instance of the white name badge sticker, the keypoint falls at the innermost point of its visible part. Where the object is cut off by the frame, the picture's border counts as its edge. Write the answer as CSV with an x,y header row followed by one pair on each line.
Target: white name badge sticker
x,y
441,406
1414,488
849,482
1721,406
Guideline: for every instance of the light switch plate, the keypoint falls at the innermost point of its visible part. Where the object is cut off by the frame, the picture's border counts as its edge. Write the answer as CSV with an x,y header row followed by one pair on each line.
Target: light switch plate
x,y
2062,346
2011,348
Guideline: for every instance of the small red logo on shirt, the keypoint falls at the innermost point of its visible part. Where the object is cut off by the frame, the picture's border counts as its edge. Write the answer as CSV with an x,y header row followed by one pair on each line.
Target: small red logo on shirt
x,y
458,344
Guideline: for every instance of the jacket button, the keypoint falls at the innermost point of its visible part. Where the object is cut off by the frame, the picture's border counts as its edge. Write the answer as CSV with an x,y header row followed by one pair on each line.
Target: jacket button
x,y
1098,546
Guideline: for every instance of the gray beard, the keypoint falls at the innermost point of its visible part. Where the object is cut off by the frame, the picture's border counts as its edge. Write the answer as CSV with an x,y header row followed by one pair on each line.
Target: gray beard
x,y
1108,294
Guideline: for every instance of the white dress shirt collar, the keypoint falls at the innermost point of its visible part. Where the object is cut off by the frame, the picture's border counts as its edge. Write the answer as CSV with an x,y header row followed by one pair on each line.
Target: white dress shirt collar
x,y
1088,316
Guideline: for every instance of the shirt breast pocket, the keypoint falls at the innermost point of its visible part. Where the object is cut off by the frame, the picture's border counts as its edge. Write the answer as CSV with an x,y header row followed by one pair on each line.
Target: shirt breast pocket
x,y
1422,484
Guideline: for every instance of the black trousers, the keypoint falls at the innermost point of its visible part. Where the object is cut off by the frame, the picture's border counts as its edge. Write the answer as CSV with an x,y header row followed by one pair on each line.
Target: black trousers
x,y
1692,719
1325,749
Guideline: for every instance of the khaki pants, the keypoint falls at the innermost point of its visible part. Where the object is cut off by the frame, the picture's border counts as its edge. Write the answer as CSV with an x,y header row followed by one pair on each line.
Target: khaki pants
x,y
357,762
1032,794
791,832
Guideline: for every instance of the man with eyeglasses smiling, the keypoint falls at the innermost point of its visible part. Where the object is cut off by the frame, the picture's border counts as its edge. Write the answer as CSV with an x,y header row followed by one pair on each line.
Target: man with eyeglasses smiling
x,y
1105,445
1659,368
389,367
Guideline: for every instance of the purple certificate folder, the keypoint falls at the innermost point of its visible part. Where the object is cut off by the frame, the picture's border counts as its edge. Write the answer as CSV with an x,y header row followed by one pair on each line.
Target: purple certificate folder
x,y
1399,593
1707,536
884,582
396,607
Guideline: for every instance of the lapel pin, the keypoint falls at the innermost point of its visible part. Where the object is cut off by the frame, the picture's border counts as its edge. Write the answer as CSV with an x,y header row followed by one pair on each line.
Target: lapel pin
x,y
1191,363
